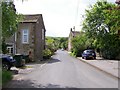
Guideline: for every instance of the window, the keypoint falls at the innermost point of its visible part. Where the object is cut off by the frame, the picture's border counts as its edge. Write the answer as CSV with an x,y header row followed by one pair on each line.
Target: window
x,y
10,50
25,36
43,34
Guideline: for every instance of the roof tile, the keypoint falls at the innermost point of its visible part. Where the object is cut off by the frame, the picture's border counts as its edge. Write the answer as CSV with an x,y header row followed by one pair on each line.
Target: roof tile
x,y
31,18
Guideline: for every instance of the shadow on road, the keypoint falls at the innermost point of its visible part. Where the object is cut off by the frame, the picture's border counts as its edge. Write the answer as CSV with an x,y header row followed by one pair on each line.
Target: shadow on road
x,y
53,60
30,84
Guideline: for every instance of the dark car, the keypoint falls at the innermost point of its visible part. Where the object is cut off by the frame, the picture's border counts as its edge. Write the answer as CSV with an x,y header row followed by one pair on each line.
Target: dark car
x,y
89,54
7,61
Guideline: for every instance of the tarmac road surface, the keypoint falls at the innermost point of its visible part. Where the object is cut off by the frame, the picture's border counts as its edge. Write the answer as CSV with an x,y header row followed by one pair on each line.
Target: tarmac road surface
x,y
64,71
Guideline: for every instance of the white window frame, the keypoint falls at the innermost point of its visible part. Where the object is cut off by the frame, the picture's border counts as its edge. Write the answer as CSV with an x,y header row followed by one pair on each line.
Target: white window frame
x,y
27,36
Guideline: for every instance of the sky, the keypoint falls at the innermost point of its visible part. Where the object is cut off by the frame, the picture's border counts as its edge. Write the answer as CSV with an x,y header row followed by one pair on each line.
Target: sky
x,y
58,15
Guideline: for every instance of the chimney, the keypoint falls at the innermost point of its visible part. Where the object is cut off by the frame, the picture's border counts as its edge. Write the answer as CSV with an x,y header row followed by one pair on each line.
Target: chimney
x,y
74,28
71,30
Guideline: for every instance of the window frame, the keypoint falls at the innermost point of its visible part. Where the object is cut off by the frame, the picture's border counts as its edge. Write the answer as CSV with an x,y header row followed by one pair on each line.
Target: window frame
x,y
27,36
43,34
10,49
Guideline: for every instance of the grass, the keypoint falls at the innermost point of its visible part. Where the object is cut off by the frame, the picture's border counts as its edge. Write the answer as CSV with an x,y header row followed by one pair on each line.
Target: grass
x,y
6,76
72,54
0,77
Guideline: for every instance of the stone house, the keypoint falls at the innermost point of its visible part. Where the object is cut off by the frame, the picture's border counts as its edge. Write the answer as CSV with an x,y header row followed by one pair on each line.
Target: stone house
x,y
71,36
29,38
117,2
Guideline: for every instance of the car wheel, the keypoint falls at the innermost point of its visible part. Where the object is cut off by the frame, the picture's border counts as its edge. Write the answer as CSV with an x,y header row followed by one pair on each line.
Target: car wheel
x,y
5,66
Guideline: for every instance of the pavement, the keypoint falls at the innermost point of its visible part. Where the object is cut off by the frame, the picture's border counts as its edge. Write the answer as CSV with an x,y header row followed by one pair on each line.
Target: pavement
x,y
18,73
110,67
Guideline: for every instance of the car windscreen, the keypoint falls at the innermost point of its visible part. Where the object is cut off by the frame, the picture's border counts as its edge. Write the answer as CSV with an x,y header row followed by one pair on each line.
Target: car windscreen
x,y
89,51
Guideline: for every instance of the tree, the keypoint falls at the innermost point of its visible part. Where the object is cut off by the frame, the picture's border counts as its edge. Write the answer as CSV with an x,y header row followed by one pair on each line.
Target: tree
x,y
79,44
112,18
10,20
63,42
102,24
57,42
95,22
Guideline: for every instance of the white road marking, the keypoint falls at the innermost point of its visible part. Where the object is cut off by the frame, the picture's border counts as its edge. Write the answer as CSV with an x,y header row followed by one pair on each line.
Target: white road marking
x,y
42,65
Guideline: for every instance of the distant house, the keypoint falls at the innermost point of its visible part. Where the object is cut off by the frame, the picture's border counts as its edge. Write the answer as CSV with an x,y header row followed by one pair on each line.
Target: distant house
x,y
71,36
117,2
30,37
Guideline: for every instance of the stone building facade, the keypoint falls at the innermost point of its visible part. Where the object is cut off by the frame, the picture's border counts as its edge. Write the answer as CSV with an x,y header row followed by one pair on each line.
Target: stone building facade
x,y
71,36
30,37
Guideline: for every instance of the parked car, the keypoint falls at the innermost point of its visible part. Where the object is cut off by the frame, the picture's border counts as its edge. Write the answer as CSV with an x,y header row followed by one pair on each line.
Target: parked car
x,y
89,54
7,61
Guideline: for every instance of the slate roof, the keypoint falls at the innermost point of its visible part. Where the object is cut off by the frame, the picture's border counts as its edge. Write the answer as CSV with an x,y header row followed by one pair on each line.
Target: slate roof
x,y
31,18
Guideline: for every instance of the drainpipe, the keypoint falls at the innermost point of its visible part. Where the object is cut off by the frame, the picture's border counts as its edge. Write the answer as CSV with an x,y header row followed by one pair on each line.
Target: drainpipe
x,y
15,38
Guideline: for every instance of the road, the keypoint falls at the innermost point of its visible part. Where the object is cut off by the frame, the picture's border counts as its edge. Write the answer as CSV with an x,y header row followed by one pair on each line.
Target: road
x,y
64,71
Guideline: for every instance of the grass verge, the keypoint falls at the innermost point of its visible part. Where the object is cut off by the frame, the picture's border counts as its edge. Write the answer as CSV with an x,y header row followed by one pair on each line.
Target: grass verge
x,y
6,76
72,54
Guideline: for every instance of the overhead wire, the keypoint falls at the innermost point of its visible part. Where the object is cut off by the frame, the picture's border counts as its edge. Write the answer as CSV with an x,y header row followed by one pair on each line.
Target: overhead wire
x,y
76,12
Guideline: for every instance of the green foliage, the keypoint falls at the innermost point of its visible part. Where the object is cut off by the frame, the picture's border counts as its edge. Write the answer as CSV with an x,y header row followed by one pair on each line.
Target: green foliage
x,y
112,19
6,76
4,46
47,53
79,44
51,44
63,43
109,46
101,27
94,23
54,43
9,19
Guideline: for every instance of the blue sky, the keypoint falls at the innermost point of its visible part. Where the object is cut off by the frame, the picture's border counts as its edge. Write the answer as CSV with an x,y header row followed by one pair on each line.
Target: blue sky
x,y
59,15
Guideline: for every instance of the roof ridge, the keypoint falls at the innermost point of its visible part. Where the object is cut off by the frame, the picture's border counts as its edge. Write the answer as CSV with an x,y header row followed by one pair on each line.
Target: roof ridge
x,y
31,14
31,17
75,31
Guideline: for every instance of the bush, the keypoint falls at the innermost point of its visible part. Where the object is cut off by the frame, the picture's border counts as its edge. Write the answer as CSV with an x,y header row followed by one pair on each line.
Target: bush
x,y
110,47
79,45
6,76
47,53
